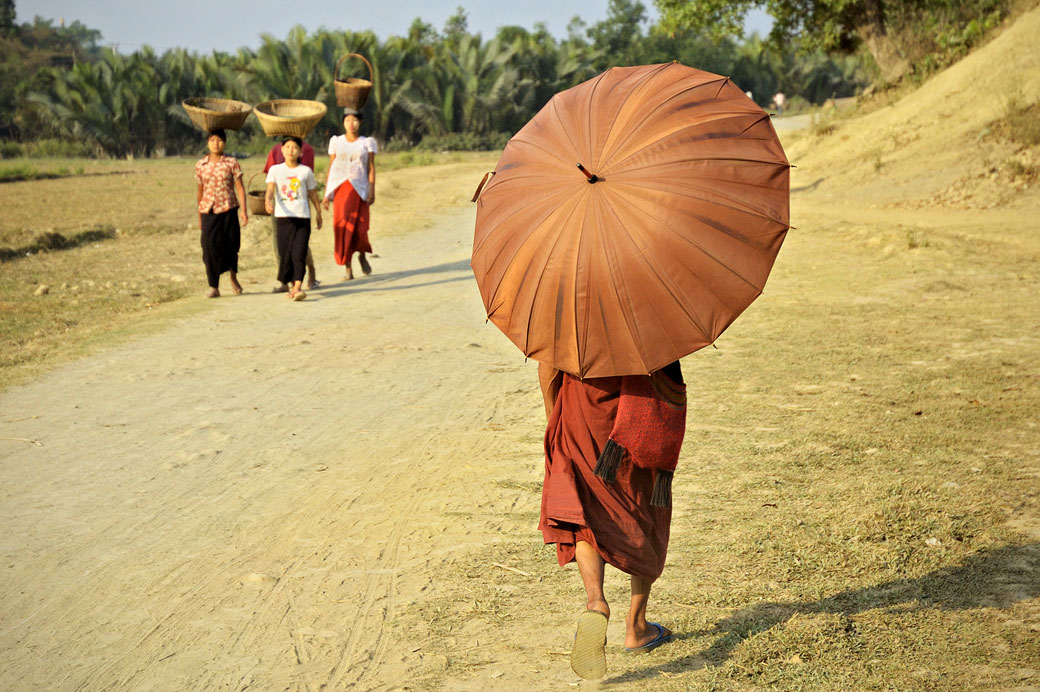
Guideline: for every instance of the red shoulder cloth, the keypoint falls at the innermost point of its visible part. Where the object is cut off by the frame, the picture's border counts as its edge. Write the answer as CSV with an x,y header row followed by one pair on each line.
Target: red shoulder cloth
x,y
648,430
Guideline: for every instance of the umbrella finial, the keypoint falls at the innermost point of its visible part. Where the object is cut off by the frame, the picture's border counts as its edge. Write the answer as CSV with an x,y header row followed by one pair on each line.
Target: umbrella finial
x,y
592,177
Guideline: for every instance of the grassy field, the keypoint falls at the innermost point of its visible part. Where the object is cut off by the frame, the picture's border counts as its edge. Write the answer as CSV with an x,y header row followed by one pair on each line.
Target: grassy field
x,y
133,254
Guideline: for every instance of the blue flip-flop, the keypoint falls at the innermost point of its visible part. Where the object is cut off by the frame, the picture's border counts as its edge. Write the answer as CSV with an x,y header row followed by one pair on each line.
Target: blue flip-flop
x,y
661,638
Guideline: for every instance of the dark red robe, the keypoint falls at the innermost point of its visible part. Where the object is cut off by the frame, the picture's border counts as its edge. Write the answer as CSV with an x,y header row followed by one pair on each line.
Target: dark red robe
x,y
615,518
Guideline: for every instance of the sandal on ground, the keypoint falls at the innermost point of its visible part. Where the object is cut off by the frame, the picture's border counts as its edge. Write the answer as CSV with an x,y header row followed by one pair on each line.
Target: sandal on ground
x,y
663,637
588,657
299,295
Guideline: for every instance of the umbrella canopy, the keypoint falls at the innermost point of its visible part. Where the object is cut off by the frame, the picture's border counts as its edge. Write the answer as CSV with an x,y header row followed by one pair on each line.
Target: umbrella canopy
x,y
631,220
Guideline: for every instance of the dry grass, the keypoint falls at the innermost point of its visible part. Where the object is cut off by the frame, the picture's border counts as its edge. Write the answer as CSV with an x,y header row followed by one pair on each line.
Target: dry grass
x,y
150,270
857,504
1020,122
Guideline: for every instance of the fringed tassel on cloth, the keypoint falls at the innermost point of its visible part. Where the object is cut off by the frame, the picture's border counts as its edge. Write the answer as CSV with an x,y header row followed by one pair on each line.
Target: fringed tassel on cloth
x,y
609,458
662,496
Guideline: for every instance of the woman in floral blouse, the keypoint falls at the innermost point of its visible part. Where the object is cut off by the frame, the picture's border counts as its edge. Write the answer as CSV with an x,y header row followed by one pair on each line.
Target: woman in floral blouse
x,y
220,189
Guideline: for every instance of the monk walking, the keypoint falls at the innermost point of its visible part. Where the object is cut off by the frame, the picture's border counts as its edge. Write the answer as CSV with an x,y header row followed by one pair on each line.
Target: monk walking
x,y
610,448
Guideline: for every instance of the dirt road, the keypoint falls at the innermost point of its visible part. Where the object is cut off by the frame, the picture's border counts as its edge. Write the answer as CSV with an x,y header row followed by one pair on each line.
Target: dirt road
x,y
257,497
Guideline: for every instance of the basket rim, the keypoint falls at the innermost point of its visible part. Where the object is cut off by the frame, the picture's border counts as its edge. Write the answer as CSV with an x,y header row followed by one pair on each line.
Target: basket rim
x,y
319,109
188,103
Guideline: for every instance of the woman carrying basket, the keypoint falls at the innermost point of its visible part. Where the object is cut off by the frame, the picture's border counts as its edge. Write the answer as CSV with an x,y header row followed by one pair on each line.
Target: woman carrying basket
x,y
220,188
351,188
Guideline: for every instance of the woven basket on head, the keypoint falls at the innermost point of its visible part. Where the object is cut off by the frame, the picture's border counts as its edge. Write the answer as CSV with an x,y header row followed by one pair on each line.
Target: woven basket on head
x,y
255,198
352,92
289,117
216,114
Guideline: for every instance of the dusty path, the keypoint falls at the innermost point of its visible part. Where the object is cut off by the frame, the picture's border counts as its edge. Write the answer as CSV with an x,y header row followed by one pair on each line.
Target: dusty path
x,y
251,499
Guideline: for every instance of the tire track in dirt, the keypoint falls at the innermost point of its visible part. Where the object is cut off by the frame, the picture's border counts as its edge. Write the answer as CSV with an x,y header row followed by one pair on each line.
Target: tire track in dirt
x,y
218,540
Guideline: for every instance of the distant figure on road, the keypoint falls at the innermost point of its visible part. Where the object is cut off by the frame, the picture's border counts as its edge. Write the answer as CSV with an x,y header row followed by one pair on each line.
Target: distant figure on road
x,y
779,100
219,191
351,188
599,506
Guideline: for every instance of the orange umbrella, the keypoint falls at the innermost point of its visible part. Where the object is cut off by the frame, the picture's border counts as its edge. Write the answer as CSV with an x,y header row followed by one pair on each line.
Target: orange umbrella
x,y
631,220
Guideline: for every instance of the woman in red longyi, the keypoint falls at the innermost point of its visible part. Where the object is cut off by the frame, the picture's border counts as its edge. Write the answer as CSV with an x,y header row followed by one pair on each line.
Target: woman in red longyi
x,y
351,187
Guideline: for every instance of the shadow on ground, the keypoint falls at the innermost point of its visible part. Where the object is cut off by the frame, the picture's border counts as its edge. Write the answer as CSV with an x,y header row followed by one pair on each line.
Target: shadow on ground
x,y
377,281
995,578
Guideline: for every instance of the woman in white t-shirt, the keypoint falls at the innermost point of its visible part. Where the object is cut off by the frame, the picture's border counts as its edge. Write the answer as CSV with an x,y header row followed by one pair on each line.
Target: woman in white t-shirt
x,y
351,188
291,194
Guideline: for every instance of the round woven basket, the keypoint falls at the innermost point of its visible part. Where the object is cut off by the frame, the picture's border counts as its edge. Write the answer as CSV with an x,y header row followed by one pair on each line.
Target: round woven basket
x,y
216,114
292,117
352,92
255,198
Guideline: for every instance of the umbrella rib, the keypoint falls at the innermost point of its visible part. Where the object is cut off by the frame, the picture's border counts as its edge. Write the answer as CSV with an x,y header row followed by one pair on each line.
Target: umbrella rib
x,y
690,159
728,116
489,232
499,257
592,96
632,131
639,86
538,284
752,212
664,281
670,229
581,331
622,293
553,154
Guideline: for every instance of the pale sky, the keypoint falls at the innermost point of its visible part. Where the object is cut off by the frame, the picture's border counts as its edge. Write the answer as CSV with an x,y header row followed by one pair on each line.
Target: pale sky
x,y
207,25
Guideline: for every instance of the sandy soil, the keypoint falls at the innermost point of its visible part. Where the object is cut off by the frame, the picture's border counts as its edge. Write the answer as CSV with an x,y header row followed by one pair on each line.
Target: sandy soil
x,y
218,506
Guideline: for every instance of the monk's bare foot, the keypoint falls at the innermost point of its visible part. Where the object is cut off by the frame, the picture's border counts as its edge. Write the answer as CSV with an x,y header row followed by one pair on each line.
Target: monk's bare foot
x,y
366,268
599,606
236,287
349,275
647,636
213,293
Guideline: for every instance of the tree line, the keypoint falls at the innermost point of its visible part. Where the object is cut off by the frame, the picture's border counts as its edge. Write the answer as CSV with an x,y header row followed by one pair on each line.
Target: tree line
x,y
442,89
